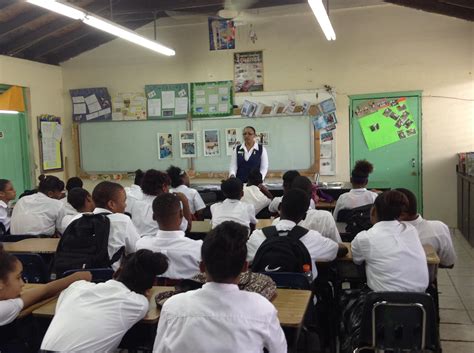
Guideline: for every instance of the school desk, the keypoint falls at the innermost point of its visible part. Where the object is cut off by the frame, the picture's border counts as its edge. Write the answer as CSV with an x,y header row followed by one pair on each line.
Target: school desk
x,y
33,245
28,310
328,206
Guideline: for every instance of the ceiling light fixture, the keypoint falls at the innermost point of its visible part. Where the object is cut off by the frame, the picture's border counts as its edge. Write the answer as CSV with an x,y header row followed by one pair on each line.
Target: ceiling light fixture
x,y
102,24
323,18
9,112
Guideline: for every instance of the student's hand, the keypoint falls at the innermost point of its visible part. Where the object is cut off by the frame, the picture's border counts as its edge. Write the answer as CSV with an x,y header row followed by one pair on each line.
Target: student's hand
x,y
342,251
181,196
376,191
82,275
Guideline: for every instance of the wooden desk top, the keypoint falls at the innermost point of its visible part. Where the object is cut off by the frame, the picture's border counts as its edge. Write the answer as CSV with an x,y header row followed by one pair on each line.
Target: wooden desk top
x,y
205,226
33,245
329,206
27,311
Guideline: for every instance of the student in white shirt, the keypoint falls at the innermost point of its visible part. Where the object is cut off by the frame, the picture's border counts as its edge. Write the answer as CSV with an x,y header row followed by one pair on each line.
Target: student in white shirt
x,y
434,233
220,318
293,209
93,317
81,201
180,183
359,195
39,213
155,183
255,193
134,192
7,194
184,254
68,210
288,178
394,257
232,209
12,300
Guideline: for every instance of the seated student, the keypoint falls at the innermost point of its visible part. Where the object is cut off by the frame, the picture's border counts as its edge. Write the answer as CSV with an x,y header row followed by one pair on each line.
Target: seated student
x,y
134,192
12,300
288,178
81,201
359,195
293,209
68,209
180,183
72,183
255,193
39,213
219,317
434,233
184,254
155,183
7,194
232,209
93,317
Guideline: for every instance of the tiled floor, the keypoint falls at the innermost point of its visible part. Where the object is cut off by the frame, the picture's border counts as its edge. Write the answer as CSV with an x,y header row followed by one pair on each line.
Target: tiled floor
x,y
456,288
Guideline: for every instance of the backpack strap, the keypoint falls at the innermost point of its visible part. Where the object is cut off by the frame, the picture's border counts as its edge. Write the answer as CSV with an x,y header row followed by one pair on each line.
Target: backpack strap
x,y
297,232
270,231
117,256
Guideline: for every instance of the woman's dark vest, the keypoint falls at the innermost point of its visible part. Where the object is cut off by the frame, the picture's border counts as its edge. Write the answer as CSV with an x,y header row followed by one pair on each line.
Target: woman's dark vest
x,y
244,167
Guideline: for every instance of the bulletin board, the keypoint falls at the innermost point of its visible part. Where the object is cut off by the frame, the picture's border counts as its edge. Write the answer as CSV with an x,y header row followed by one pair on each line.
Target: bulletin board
x,y
211,99
91,104
167,101
50,133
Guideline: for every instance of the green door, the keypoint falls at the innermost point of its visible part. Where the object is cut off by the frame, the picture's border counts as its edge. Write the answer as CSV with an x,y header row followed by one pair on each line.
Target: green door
x,y
397,164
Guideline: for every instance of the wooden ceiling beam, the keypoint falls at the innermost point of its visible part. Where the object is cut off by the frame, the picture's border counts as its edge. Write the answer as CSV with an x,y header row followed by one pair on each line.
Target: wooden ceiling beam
x,y
461,3
436,7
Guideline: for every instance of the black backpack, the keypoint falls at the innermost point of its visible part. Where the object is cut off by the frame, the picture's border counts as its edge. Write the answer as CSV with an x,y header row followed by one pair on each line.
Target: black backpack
x,y
358,219
84,244
280,253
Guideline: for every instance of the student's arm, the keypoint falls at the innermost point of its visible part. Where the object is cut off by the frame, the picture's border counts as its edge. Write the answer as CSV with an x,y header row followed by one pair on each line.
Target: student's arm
x,y
447,255
186,210
131,237
338,207
252,218
158,346
264,163
342,250
359,247
199,206
331,229
35,295
265,191
256,239
275,338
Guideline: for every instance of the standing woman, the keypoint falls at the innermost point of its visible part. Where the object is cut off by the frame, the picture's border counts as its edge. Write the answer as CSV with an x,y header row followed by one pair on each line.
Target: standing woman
x,y
250,155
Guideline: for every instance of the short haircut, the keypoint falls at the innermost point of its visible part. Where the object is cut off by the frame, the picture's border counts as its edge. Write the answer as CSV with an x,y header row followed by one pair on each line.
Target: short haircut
x,y
390,204
294,204
7,263
255,177
232,188
361,171
138,177
3,184
50,183
138,271
153,181
176,175
77,197
165,206
288,178
412,208
224,251
74,182
104,192
302,183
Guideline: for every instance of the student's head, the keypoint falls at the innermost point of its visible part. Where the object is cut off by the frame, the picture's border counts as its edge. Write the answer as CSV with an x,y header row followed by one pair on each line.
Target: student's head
x,y
249,134
7,191
288,178
294,205
303,183
111,196
51,186
410,212
81,200
224,251
255,177
139,270
178,176
155,182
388,206
167,211
232,188
11,281
360,173
138,177
73,182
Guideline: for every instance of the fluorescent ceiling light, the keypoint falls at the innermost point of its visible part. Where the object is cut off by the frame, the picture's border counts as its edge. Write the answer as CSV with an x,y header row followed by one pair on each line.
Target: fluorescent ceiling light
x,y
9,112
323,19
102,24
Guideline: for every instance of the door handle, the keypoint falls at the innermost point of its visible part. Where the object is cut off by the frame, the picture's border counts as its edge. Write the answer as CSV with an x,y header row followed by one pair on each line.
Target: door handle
x,y
413,163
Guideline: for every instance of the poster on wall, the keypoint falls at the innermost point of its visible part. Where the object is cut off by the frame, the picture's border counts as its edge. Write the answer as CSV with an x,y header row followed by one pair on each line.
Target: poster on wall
x,y
221,34
248,71
129,106
263,138
211,99
91,104
233,137
187,144
165,145
212,146
50,137
167,101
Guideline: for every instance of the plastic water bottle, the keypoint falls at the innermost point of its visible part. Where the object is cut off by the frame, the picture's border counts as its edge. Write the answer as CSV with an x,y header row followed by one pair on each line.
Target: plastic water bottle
x,y
308,273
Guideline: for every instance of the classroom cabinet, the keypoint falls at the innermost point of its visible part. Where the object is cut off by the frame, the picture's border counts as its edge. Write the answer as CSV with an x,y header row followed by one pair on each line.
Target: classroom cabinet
x,y
466,206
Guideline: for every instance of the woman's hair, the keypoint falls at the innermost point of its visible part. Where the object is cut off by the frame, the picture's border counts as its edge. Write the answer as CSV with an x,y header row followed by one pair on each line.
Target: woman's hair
x,y
138,177
49,183
139,270
153,181
104,192
251,128
3,184
390,204
176,175
7,263
361,171
74,182
77,197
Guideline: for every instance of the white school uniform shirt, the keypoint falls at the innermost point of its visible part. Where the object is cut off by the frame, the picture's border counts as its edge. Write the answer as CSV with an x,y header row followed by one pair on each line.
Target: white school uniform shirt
x,y
184,254
219,318
93,317
394,257
319,247
320,221
134,192
4,216
36,214
9,310
247,153
233,210
254,196
67,214
354,198
276,201
436,234
195,200
142,216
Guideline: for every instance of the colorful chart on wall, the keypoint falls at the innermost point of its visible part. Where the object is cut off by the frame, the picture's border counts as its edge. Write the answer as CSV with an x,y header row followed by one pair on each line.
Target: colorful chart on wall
x,y
221,34
248,71
211,99
50,142
129,106
167,101
384,122
91,104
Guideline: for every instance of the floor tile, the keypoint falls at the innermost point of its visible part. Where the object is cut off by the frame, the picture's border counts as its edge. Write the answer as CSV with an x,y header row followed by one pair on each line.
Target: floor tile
x,y
464,271
471,314
456,332
447,290
462,281
455,317
447,302
469,304
457,347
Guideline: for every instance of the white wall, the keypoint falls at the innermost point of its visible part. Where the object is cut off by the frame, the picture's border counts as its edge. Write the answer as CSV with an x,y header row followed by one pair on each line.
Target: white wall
x,y
378,49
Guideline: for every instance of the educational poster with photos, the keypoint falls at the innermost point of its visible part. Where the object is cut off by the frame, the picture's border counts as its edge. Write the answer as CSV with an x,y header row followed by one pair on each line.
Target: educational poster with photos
x,y
211,142
221,33
167,101
327,155
91,104
187,144
129,106
263,138
50,142
165,145
211,99
233,138
248,71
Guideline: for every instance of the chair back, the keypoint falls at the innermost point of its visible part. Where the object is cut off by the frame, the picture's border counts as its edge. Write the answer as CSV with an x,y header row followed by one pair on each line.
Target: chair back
x,y
34,268
98,274
289,280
